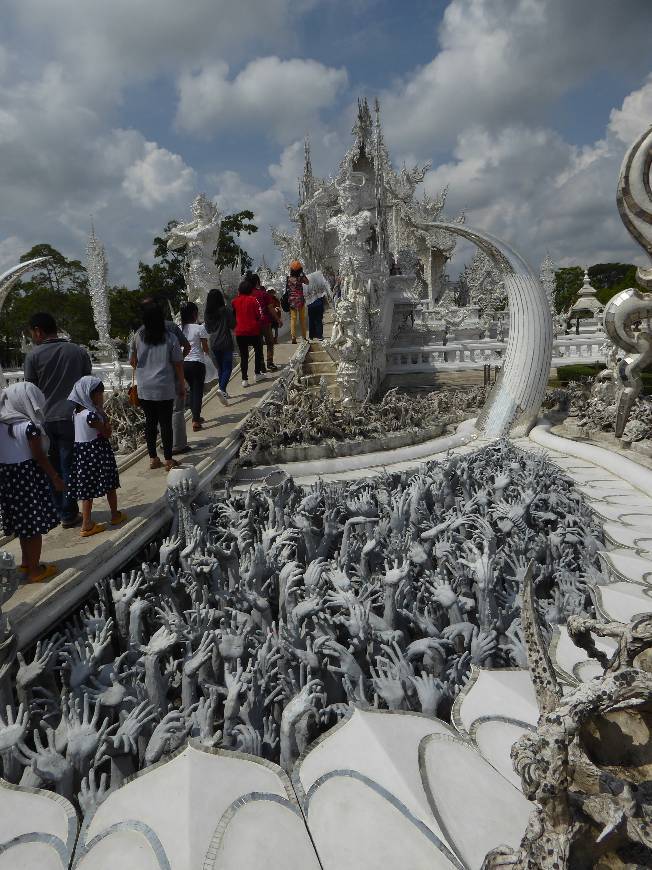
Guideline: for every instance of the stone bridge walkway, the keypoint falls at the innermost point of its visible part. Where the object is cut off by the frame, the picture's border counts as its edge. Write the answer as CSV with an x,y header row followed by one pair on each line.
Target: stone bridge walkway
x,y
82,562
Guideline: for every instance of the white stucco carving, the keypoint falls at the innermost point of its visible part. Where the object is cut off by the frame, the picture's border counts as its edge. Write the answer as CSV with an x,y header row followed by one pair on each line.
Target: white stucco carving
x,y
200,235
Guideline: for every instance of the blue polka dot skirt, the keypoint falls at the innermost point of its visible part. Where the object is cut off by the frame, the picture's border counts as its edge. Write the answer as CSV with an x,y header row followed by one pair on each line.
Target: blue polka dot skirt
x,y
26,505
94,471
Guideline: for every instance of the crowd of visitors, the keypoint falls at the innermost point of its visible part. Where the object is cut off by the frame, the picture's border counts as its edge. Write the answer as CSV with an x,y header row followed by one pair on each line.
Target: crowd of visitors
x,y
55,452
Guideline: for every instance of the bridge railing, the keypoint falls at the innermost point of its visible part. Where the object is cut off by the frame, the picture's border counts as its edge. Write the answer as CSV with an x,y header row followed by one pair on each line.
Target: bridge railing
x,y
465,355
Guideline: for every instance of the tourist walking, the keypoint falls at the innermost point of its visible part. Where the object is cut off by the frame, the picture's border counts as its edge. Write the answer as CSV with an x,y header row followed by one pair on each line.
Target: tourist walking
x,y
179,435
316,318
27,477
247,331
296,300
157,358
194,367
219,320
54,365
277,322
94,472
268,308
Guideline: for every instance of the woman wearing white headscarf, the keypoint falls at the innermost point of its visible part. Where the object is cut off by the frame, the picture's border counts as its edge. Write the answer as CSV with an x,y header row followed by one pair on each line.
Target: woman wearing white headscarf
x,y
94,473
26,503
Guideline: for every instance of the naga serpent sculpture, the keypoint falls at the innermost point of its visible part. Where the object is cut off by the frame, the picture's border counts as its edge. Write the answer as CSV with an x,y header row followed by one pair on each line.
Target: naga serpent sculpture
x,y
627,314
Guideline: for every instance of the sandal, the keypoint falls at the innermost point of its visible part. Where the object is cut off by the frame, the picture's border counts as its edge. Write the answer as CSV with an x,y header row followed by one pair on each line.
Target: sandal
x,y
170,464
46,572
120,517
95,529
197,427
155,463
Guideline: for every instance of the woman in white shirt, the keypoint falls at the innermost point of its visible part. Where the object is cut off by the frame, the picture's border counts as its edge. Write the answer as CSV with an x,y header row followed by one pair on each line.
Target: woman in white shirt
x,y
194,367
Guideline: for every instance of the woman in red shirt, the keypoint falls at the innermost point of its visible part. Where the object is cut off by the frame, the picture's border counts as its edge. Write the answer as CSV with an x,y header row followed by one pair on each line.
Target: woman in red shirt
x,y
248,318
268,307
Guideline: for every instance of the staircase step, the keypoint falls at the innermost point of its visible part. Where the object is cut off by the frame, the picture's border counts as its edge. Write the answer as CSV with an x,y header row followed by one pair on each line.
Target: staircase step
x,y
314,380
318,368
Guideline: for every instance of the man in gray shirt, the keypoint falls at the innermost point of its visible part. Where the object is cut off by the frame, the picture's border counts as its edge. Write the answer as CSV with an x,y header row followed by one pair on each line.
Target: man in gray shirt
x,y
55,365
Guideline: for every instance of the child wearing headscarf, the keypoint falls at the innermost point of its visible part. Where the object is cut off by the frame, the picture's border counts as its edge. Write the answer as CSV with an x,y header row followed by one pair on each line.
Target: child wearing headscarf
x,y
94,472
26,502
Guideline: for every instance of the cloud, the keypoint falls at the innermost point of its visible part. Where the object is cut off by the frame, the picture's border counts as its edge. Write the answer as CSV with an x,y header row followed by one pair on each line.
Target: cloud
x,y
157,177
111,44
273,95
635,114
529,187
509,61
11,250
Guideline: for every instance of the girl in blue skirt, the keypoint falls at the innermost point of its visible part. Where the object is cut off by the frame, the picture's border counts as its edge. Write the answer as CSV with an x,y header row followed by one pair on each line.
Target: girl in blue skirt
x,y
94,471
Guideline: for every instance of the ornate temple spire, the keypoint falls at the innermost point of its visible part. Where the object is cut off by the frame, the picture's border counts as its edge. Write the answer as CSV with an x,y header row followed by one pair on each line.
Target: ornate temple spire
x,y
307,181
363,127
379,178
548,280
97,268
587,302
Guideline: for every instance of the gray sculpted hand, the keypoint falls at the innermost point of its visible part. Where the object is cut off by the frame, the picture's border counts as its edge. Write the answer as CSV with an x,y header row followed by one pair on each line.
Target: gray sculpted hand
x,y
172,726
430,692
124,741
388,685
92,794
13,728
47,763
28,674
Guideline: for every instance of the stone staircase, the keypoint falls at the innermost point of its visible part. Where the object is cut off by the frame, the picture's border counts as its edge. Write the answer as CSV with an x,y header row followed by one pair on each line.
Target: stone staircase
x,y
317,365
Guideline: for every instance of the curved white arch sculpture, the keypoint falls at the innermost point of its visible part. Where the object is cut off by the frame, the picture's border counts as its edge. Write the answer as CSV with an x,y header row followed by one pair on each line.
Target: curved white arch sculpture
x,y
634,198
514,402
7,281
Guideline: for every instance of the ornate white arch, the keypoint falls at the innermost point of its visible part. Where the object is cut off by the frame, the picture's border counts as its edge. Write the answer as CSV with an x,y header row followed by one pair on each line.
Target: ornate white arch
x,y
515,400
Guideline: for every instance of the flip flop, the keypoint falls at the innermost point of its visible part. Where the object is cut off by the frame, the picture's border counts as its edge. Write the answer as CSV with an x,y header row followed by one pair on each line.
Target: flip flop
x,y
47,572
120,518
95,529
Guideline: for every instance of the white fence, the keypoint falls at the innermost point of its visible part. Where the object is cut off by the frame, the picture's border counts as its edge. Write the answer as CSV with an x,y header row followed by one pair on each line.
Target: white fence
x,y
465,355
101,371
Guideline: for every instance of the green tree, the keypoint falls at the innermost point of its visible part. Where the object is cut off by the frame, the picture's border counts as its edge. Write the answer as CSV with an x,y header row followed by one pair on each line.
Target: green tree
x,y
569,281
164,279
125,307
228,249
607,278
59,287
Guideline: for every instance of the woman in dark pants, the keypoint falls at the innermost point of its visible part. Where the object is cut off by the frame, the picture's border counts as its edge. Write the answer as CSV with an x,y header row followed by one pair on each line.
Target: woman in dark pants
x,y
316,319
156,355
248,317
219,320
194,367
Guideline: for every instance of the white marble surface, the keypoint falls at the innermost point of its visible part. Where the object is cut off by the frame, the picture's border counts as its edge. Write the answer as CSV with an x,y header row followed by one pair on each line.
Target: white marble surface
x,y
496,694
477,807
37,829
181,804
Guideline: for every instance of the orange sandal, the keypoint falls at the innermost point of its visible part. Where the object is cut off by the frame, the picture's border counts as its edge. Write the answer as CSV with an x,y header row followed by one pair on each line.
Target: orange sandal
x,y
46,573
95,529
120,517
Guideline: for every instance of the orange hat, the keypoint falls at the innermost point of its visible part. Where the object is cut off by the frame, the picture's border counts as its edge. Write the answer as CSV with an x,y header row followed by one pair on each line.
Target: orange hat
x,y
295,265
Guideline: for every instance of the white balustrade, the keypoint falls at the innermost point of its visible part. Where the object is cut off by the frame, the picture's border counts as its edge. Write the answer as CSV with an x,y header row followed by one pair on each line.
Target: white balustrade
x,y
468,355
